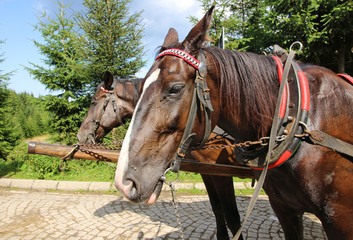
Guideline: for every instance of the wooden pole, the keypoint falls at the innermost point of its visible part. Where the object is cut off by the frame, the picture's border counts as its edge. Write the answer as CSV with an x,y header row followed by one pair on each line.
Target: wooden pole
x,y
56,150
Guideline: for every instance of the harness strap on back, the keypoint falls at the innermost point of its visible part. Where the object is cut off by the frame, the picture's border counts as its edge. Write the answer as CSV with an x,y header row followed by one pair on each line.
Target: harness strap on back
x,y
272,142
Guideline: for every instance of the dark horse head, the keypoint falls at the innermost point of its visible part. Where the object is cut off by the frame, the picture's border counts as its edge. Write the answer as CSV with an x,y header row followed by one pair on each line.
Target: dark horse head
x,y
159,119
161,114
111,105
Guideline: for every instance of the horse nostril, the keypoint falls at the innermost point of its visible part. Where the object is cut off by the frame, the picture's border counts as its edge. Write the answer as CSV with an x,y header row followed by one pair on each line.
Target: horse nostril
x,y
133,191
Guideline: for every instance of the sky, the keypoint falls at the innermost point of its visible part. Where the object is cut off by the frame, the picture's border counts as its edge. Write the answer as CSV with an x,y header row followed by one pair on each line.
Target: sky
x,y
18,17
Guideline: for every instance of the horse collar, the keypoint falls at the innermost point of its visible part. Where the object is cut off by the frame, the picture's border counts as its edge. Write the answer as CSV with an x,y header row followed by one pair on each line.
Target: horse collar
x,y
294,112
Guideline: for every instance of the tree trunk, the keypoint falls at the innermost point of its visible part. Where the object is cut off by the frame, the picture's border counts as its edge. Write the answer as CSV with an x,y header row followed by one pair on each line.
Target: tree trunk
x,y
341,56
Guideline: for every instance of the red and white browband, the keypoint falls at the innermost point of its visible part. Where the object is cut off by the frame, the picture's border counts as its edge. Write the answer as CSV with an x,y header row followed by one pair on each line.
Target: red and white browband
x,y
181,54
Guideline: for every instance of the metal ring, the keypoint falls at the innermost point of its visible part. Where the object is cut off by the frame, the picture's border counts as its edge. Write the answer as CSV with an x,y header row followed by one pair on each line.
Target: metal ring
x,y
305,130
164,178
300,46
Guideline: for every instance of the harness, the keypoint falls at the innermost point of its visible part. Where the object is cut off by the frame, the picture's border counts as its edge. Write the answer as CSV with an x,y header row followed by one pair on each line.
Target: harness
x,y
201,96
292,115
346,77
110,97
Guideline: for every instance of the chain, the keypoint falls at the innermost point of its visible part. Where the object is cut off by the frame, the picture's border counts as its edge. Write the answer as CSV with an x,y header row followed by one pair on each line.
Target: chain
x,y
115,145
85,148
175,205
94,154
176,212
261,142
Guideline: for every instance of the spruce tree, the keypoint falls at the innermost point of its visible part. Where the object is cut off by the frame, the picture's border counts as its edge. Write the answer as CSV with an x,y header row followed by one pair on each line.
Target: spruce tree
x,y
8,134
63,74
111,38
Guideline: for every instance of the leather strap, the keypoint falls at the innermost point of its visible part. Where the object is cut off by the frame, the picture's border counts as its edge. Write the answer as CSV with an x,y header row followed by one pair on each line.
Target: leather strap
x,y
187,136
271,145
323,139
201,93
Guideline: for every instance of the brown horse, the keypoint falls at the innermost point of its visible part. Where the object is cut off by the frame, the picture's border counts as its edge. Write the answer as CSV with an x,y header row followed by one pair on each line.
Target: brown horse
x,y
105,114
243,88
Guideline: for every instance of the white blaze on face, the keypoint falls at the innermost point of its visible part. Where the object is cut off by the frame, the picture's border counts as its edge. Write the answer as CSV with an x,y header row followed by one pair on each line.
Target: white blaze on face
x,y
124,153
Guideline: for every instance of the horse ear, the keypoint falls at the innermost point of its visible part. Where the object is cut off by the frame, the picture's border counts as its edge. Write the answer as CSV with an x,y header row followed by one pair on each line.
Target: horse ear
x,y
172,37
198,34
108,79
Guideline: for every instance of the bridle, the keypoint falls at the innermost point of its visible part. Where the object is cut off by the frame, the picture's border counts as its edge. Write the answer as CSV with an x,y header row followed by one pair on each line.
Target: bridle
x,y
201,96
110,97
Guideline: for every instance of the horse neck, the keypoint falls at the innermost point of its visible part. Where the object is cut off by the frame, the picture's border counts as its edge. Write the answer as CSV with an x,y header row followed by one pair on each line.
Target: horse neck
x,y
248,86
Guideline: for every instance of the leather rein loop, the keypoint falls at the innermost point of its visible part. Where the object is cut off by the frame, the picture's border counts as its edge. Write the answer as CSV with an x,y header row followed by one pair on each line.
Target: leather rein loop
x,y
201,96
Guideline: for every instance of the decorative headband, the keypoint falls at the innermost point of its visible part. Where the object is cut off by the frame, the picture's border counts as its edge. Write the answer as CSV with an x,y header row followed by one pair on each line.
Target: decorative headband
x,y
104,90
181,54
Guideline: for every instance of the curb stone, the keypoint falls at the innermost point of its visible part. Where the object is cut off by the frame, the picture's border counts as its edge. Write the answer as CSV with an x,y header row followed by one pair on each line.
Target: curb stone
x,y
93,186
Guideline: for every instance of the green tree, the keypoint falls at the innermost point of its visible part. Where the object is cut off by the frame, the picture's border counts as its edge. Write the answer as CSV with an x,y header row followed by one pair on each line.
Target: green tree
x,y
111,38
27,115
324,28
8,134
63,72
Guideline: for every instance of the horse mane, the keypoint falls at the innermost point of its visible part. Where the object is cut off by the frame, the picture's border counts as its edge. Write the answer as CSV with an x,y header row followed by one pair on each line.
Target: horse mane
x,y
245,79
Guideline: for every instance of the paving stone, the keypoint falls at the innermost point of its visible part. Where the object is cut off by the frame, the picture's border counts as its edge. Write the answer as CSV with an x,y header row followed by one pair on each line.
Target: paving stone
x,y
30,214
100,186
22,183
5,182
44,184
200,186
73,186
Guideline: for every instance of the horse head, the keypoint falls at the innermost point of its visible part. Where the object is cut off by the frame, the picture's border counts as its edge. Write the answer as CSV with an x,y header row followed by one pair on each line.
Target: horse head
x,y
112,103
161,114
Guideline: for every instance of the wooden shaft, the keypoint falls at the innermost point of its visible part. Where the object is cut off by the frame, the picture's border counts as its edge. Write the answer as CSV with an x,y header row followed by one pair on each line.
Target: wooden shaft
x,y
56,150
188,165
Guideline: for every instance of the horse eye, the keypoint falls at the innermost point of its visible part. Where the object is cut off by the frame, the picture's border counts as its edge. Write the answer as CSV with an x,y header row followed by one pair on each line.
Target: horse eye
x,y
176,89
94,103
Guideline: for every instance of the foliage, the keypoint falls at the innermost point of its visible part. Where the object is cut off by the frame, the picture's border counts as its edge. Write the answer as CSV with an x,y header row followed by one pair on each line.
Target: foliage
x,y
64,73
119,132
28,115
111,38
24,117
324,28
8,137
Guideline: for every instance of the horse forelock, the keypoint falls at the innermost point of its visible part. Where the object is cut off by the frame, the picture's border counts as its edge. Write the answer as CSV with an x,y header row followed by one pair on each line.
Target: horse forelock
x,y
248,87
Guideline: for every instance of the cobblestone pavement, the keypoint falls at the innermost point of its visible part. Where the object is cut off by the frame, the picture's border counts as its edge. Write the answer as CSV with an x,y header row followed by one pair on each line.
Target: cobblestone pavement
x,y
28,214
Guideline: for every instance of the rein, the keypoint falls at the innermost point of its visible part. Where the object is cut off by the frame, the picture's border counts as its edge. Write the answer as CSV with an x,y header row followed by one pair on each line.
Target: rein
x,y
200,96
